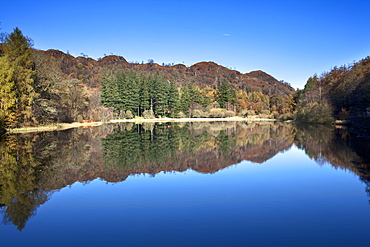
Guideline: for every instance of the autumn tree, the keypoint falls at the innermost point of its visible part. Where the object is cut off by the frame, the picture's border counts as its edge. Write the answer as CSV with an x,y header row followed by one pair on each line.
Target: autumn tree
x,y
17,51
7,94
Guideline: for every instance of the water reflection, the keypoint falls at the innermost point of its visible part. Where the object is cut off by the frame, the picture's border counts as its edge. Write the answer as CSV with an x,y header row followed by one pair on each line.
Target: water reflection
x,y
337,147
33,166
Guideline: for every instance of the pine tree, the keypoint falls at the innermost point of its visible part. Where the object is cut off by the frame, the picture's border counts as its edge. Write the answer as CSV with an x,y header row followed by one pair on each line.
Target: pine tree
x,y
109,95
223,94
160,95
144,93
185,99
173,98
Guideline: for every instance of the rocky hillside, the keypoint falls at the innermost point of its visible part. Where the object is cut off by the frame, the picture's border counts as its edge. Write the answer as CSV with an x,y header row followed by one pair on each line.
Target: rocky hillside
x,y
201,74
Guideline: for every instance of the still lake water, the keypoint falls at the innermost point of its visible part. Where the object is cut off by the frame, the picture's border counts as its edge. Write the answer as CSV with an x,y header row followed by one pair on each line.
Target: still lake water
x,y
200,184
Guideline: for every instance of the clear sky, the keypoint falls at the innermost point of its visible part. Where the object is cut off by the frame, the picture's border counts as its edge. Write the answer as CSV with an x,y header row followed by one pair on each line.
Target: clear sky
x,y
290,40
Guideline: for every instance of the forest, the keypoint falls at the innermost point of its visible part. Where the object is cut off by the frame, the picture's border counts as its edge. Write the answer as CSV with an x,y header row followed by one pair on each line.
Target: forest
x,y
340,94
48,87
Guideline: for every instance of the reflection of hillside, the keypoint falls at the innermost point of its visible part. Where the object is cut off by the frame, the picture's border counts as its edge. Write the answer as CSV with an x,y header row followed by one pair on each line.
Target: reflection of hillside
x,y
203,147
33,166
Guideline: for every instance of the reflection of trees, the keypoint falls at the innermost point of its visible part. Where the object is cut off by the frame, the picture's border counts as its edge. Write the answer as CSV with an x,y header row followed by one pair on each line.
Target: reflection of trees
x,y
337,147
32,166
205,147
19,193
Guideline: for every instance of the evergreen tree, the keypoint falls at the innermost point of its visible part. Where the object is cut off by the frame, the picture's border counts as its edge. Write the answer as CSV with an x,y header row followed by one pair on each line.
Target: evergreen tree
x,y
223,93
144,97
160,95
109,95
185,99
131,95
173,98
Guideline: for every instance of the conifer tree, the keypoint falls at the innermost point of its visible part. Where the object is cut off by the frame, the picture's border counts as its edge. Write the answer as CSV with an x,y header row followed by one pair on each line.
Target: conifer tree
x,y
7,93
144,93
185,99
109,95
17,50
223,94
173,98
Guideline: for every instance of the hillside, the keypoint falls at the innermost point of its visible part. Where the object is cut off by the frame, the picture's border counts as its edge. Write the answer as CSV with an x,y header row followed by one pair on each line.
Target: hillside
x,y
202,74
343,92
44,87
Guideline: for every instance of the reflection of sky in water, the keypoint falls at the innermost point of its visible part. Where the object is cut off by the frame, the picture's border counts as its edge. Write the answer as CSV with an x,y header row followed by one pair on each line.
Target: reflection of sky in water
x,y
287,201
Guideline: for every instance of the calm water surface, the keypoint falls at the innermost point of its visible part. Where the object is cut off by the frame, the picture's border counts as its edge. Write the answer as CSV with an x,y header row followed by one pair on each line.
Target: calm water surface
x,y
205,184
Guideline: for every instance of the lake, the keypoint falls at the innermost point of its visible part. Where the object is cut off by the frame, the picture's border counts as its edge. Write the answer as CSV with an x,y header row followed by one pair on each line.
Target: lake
x,y
186,184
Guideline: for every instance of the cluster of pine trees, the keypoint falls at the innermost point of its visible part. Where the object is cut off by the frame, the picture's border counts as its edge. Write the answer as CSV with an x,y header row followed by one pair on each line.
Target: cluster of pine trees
x,y
131,93
134,93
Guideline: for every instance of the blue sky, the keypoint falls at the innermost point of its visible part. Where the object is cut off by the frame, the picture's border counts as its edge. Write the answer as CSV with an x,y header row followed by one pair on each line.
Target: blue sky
x,y
290,40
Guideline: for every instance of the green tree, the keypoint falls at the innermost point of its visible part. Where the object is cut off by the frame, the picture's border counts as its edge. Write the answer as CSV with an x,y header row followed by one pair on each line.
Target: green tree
x,y
185,99
109,95
223,93
173,98
144,95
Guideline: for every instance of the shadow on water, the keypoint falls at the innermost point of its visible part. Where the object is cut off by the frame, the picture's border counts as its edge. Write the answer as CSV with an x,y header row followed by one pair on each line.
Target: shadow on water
x,y
33,166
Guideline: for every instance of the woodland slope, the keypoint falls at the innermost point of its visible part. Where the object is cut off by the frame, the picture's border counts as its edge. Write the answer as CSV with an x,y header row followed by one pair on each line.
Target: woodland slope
x,y
43,87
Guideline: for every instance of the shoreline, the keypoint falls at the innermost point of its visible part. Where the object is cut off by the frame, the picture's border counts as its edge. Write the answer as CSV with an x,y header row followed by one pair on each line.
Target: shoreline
x,y
64,126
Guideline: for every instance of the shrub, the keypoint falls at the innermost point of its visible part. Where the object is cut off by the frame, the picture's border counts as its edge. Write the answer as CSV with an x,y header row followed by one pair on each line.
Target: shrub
x,y
215,104
216,113
148,114
197,113
285,116
122,114
265,112
106,114
251,113
181,115
275,114
229,114
129,114
243,113
79,118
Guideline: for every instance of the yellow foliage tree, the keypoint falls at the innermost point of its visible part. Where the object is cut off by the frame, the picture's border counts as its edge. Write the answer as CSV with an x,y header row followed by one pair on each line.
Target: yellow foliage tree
x,y
7,93
17,51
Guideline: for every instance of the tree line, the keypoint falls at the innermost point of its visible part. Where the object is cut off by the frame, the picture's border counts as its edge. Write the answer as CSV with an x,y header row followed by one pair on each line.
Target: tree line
x,y
342,93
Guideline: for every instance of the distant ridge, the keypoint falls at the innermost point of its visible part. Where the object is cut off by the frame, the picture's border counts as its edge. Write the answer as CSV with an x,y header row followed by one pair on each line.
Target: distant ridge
x,y
202,74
